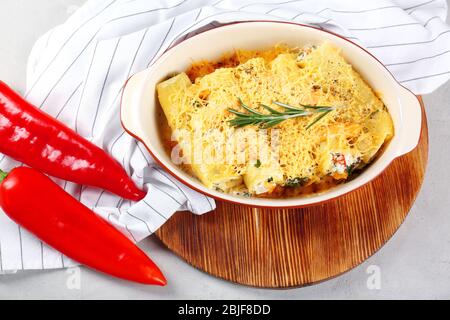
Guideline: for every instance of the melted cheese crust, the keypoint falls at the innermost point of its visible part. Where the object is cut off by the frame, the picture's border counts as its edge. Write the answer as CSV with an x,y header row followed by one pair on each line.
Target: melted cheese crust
x,y
348,138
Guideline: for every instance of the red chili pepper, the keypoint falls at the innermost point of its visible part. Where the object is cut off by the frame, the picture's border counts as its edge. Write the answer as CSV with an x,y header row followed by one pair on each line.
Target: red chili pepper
x,y
33,137
38,204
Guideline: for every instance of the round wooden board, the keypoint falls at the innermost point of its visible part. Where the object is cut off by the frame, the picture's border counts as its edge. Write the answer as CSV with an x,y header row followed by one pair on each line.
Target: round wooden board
x,y
297,247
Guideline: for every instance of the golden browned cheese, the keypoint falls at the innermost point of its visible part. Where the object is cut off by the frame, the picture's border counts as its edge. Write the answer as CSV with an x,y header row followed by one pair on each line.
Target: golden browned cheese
x,y
346,139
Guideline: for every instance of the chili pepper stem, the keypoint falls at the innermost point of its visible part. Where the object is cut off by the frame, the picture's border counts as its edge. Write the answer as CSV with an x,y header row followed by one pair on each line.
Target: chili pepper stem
x,y
3,175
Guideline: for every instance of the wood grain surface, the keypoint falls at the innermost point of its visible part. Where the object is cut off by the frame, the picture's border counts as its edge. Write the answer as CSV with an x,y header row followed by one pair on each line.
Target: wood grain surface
x,y
297,247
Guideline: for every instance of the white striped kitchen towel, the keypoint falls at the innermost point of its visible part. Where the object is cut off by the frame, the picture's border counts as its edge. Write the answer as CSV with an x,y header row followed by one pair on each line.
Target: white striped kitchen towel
x,y
76,72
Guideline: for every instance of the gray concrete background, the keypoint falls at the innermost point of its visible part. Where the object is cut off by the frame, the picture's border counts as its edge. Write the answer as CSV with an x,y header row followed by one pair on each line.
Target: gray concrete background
x,y
414,264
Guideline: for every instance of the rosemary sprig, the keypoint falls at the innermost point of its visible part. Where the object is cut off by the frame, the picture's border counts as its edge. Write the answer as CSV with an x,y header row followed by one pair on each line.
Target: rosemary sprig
x,y
317,119
274,117
317,108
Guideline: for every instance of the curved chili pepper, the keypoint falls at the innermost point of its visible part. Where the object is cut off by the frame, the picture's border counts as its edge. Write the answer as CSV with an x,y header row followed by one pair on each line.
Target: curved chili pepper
x,y
35,202
33,137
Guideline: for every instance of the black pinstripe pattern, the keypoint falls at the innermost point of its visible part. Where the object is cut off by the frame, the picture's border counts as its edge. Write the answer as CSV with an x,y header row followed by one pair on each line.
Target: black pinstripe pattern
x,y
1,259
209,202
140,220
148,11
142,152
267,3
162,42
428,21
84,87
68,100
216,3
118,93
98,199
151,207
65,43
166,193
272,10
136,53
194,25
326,21
416,60
131,233
297,15
115,141
425,77
395,25
103,87
21,245
408,43
360,11
218,14
42,255
126,227
92,38
176,186
386,27
419,5
196,18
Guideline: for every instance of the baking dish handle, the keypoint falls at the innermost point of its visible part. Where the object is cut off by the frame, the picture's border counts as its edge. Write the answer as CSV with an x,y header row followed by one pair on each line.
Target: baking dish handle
x,y
130,97
411,120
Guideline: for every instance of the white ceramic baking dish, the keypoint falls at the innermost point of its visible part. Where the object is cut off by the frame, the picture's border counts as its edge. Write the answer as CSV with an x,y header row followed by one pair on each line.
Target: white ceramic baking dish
x,y
139,101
